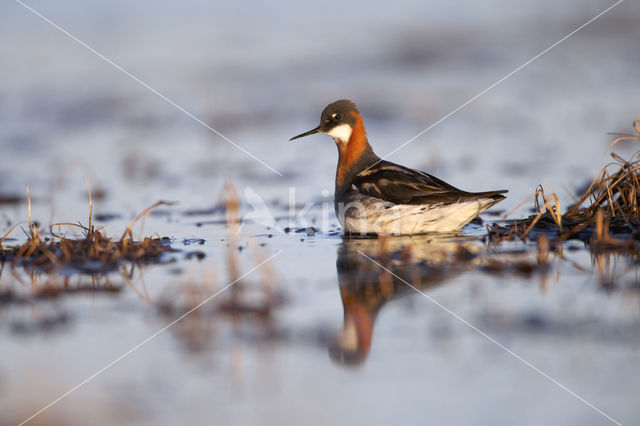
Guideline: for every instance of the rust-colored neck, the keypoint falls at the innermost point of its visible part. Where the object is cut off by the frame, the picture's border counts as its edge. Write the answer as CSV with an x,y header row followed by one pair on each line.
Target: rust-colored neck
x,y
363,320
353,150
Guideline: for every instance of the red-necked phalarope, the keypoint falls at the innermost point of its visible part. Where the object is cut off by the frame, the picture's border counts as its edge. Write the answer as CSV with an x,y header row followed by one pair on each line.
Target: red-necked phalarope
x,y
376,196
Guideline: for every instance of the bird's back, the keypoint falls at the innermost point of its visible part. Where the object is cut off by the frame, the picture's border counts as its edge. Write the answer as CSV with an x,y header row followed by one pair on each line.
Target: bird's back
x,y
402,185
391,199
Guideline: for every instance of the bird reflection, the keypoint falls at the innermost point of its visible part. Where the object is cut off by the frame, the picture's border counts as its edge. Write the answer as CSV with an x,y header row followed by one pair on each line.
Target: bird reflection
x,y
365,286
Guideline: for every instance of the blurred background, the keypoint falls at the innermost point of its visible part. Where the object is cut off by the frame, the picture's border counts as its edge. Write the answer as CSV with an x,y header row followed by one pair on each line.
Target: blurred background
x,y
259,73
262,73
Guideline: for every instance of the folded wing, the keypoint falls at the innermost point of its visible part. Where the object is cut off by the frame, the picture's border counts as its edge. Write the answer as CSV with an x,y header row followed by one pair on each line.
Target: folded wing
x,y
401,185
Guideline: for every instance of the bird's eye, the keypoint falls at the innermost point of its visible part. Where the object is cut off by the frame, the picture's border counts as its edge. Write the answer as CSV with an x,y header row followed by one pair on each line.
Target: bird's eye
x,y
336,116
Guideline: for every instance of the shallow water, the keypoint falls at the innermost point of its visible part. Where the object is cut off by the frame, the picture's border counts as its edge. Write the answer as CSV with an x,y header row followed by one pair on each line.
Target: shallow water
x,y
319,334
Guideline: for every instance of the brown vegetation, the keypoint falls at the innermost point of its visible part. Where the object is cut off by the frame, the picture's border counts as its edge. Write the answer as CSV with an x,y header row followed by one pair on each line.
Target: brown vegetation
x,y
95,252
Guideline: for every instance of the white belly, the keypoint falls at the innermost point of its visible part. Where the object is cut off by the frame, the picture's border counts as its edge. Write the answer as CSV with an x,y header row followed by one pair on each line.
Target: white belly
x,y
364,214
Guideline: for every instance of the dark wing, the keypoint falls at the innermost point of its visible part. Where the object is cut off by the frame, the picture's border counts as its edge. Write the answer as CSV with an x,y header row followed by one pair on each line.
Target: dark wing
x,y
401,185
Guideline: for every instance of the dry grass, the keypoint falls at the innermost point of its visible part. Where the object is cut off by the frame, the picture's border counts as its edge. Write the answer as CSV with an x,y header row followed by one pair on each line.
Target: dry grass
x,y
95,252
607,213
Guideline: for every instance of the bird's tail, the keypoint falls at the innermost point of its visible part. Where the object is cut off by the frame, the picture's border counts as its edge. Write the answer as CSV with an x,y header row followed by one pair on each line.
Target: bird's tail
x,y
496,195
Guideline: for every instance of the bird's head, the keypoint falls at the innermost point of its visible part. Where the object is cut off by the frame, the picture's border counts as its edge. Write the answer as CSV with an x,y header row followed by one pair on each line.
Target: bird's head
x,y
338,120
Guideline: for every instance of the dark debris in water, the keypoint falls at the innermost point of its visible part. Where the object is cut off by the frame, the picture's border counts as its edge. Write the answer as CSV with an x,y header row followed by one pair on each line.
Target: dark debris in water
x,y
189,241
44,324
211,222
217,209
199,255
310,230
11,199
107,217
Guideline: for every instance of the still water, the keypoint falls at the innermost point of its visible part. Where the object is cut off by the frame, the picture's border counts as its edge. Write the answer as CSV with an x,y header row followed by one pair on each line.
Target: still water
x,y
319,333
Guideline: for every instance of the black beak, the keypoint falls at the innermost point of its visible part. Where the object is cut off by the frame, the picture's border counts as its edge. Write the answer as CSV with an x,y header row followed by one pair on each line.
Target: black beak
x,y
310,132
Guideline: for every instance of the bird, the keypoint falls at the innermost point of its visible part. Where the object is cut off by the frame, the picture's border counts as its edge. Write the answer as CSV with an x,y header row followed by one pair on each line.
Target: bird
x,y
375,196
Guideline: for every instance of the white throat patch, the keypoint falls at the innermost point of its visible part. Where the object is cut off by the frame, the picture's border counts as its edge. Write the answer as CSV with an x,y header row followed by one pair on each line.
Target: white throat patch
x,y
341,133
